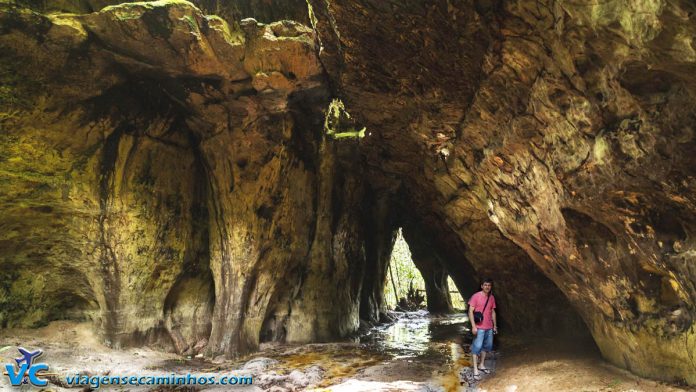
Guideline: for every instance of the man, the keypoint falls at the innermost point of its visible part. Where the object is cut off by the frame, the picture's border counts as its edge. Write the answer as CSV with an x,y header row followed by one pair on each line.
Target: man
x,y
483,331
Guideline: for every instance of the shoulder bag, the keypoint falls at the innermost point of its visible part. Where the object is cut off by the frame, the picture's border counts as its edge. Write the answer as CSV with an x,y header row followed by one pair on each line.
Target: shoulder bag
x,y
478,316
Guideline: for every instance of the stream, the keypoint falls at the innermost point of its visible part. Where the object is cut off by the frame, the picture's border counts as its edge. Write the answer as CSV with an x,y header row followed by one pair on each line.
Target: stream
x,y
418,352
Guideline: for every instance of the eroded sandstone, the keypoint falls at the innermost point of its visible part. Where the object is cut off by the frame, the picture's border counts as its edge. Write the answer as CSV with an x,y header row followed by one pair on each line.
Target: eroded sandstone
x,y
168,174
543,139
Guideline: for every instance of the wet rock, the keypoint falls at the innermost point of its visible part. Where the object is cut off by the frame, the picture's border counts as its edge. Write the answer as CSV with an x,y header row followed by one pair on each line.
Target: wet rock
x,y
198,347
385,318
364,327
294,381
310,376
259,364
466,374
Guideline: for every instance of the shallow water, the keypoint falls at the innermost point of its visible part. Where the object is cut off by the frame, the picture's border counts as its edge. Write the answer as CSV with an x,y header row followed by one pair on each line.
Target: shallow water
x,y
418,352
416,334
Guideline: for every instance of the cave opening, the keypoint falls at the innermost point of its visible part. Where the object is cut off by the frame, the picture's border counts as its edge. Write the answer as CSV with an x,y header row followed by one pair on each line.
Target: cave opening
x,y
412,285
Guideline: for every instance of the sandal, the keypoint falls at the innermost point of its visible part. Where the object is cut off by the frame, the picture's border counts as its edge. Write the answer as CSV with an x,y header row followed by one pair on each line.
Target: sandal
x,y
477,377
485,370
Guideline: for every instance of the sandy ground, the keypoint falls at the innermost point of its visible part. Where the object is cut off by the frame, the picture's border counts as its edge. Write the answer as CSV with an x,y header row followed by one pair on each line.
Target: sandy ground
x,y
442,365
558,366
71,348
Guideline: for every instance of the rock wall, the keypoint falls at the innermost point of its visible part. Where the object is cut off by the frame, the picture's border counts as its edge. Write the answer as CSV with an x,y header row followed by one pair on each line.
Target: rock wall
x,y
168,176
552,140
432,270
232,11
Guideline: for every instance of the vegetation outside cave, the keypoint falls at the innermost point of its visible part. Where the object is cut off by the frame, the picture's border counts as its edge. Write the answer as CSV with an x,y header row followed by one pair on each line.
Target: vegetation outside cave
x,y
405,274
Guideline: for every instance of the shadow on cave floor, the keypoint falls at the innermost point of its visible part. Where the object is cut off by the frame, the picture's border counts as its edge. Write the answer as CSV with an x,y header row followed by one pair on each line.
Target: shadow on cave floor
x,y
541,364
418,352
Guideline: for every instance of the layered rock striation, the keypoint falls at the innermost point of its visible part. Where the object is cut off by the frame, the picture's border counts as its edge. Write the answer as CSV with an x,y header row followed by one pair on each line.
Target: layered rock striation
x,y
167,176
551,142
171,176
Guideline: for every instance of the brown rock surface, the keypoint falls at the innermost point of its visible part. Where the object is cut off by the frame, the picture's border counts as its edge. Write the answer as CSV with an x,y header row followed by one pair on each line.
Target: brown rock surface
x,y
539,138
168,175
231,10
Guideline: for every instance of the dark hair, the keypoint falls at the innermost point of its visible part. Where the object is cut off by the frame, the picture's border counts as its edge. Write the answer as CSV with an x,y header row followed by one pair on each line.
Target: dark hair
x,y
487,280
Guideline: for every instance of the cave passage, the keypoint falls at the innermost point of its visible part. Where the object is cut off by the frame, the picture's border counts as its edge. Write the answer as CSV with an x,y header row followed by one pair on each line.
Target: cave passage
x,y
196,183
412,286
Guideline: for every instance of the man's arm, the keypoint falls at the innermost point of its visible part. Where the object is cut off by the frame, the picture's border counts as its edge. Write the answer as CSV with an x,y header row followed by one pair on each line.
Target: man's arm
x,y
495,321
471,319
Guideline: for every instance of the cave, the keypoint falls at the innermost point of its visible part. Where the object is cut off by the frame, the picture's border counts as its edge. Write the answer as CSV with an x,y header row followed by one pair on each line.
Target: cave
x,y
215,178
417,279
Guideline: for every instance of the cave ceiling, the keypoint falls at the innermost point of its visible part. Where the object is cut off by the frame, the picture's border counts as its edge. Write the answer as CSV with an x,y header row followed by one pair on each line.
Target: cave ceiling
x,y
169,175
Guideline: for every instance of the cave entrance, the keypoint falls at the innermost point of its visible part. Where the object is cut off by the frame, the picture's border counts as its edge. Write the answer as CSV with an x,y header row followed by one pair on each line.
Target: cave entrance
x,y
417,284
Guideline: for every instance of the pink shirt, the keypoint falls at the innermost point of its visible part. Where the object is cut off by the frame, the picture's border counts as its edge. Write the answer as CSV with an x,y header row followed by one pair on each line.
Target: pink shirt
x,y
476,302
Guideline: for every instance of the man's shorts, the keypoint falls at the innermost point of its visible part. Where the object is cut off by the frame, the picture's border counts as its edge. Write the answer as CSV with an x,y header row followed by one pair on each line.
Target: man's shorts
x,y
483,341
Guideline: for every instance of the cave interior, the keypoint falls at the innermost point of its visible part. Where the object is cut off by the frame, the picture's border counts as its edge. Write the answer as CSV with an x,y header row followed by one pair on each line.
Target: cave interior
x,y
175,177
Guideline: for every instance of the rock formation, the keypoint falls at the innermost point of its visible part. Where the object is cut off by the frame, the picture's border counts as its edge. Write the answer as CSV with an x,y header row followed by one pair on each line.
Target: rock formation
x,y
265,11
172,176
545,138
165,172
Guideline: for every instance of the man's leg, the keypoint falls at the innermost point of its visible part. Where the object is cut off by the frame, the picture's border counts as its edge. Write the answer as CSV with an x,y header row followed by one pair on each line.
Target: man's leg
x,y
487,346
482,357
476,347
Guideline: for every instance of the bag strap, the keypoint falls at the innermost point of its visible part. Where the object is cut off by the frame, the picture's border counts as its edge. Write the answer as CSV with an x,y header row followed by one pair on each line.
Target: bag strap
x,y
486,304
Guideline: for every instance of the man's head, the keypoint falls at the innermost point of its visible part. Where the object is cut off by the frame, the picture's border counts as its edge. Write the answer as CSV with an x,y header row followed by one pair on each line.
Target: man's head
x,y
487,285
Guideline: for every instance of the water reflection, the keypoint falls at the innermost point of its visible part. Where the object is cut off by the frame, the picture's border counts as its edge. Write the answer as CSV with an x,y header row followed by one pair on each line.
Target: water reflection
x,y
417,334
417,352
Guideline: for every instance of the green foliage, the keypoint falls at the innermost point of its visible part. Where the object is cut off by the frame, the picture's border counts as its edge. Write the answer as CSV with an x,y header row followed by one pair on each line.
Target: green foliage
x,y
193,25
338,123
414,296
406,274
458,302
